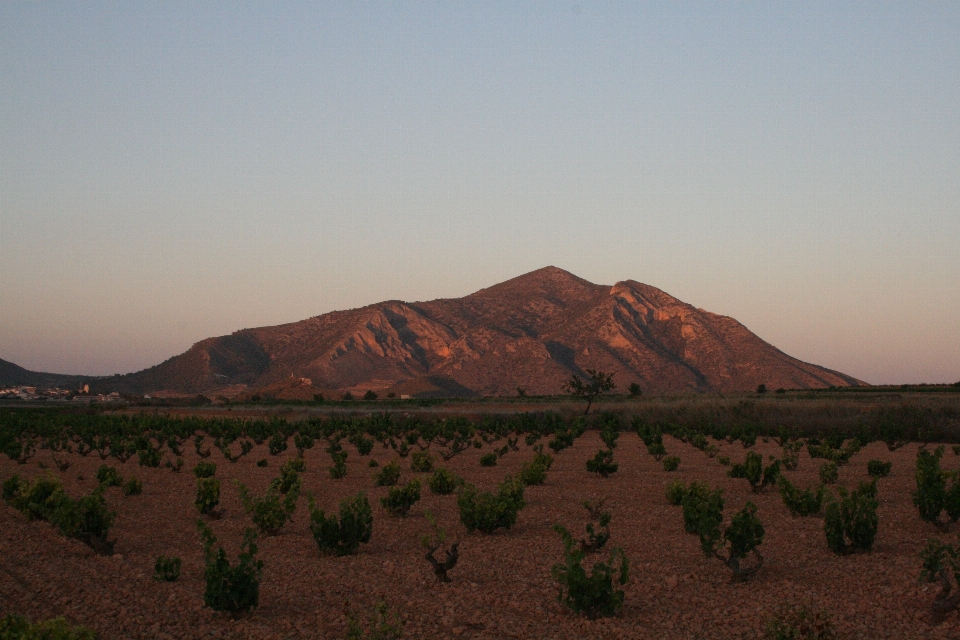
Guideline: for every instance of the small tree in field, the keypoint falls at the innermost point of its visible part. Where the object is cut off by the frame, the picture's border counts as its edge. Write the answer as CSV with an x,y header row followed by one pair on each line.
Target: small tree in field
x,y
433,542
596,384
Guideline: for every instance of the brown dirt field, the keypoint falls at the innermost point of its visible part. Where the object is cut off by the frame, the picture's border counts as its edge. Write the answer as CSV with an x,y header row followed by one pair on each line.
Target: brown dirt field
x,y
502,586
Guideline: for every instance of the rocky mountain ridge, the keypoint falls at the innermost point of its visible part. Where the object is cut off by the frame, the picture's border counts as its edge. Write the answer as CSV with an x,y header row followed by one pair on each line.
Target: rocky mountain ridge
x,y
531,332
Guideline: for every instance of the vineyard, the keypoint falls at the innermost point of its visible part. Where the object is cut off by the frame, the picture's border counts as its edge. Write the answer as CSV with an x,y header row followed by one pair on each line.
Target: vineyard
x,y
742,518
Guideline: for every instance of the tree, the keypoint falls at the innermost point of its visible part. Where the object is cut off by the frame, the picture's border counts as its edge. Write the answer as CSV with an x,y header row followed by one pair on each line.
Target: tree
x,y
597,383
635,390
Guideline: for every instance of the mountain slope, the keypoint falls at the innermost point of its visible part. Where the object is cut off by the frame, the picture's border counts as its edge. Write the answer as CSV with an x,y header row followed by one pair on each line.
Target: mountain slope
x,y
532,332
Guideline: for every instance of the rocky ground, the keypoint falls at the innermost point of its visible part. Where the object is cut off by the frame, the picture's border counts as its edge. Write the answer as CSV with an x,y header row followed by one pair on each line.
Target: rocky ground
x,y
502,587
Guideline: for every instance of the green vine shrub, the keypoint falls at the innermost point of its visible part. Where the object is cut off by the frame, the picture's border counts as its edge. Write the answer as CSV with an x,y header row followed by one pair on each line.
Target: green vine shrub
x,y
602,464
432,542
269,512
593,594
208,497
850,519
166,569
878,468
231,588
485,511
421,462
388,475
132,487
671,463
829,472
932,494
400,499
805,502
444,482
343,536
755,473
108,476
939,561
205,469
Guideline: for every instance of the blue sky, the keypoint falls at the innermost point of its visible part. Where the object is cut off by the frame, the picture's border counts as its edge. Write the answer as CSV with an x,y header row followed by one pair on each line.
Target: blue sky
x,y
172,171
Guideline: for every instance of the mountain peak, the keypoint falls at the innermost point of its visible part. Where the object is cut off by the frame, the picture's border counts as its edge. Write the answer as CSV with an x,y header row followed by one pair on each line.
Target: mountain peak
x,y
532,332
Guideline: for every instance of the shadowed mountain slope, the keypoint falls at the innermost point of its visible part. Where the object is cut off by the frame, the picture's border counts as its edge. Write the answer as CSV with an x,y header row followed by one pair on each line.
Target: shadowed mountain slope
x,y
533,332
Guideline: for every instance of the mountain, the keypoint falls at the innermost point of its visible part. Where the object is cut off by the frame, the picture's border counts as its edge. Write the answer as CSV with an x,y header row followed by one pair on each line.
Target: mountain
x,y
533,332
14,375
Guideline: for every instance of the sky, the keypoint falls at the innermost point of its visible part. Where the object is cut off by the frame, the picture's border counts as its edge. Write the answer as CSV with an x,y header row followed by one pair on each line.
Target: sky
x,y
174,171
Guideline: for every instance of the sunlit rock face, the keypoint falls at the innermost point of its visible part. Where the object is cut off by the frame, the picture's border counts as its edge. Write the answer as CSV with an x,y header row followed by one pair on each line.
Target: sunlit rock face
x,y
531,332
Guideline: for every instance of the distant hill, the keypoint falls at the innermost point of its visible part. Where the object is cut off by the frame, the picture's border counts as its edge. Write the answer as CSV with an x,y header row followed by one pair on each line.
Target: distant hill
x,y
13,375
531,332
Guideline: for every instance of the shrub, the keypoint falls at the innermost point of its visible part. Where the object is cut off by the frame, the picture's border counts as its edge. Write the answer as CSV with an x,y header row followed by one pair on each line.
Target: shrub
x,y
533,473
36,500
277,443
801,622
931,496
671,463
174,466
400,499
878,469
149,457
444,482
384,624
343,537
389,474
610,431
289,478
263,463
595,538
432,544
724,460
743,536
421,462
231,588
132,487
205,469
851,520
657,450
790,454
87,519
373,464
829,472
108,476
700,502
363,444
594,594
14,627
270,512
755,473
676,490
166,569
208,496
339,468
806,502
487,512
939,560
488,459
602,464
